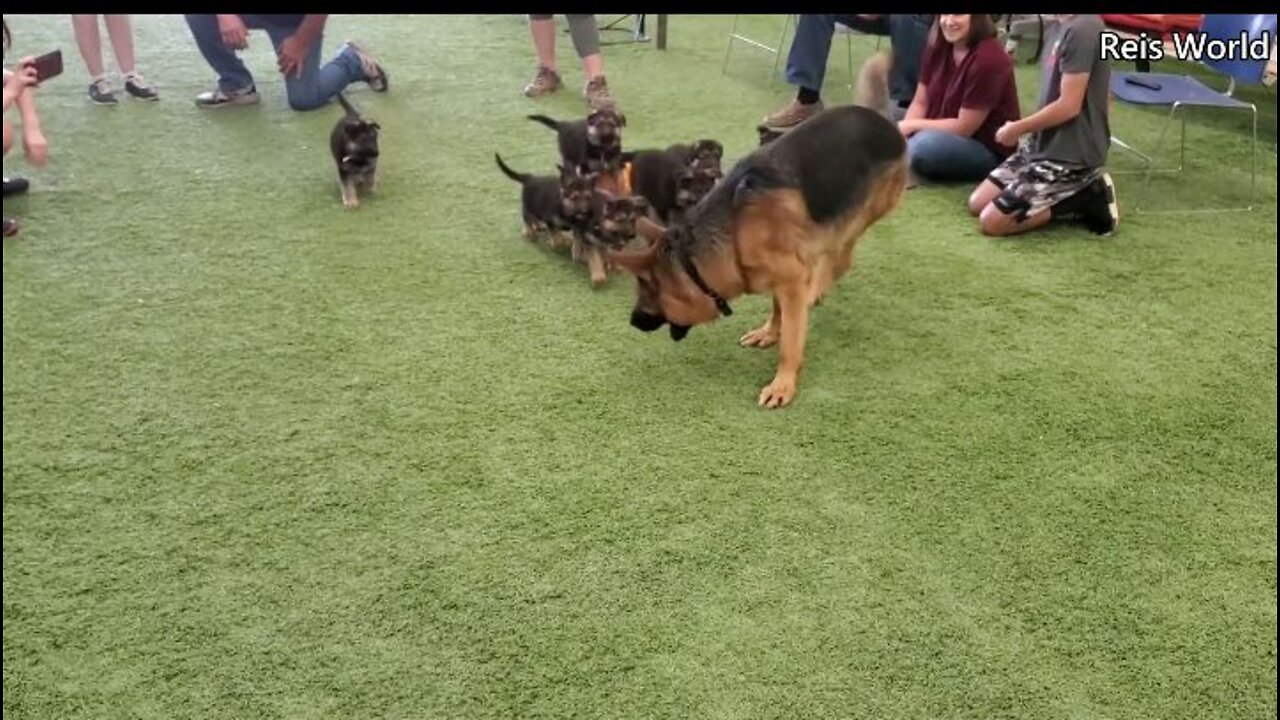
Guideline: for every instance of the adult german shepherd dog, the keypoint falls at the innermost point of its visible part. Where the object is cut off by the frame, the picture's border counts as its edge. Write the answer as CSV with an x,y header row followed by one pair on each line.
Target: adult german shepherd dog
x,y
784,221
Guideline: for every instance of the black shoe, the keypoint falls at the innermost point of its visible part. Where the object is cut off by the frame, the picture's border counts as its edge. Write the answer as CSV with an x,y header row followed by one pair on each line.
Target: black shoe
x,y
139,89
10,227
15,186
1100,213
99,94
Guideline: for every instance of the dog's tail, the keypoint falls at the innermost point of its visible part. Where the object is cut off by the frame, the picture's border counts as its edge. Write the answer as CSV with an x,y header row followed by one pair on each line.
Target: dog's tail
x,y
549,122
347,107
521,178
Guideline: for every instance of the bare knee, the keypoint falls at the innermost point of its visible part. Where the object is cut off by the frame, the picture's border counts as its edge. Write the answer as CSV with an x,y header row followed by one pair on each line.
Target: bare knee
x,y
976,203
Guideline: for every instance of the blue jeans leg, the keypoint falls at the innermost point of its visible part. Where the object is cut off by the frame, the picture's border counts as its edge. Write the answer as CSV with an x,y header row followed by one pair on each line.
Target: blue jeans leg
x,y
807,59
947,157
232,74
318,84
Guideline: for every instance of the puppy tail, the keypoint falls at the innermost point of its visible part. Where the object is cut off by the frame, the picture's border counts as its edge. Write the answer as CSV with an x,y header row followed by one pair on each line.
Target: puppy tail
x,y
549,122
521,178
347,107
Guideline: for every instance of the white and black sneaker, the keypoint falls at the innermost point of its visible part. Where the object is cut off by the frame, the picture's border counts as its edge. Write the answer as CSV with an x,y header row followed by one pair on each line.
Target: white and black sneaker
x,y
101,94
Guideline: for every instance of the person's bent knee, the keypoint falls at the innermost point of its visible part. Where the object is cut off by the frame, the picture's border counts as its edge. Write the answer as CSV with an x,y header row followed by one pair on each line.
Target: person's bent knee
x,y
977,202
995,223
304,102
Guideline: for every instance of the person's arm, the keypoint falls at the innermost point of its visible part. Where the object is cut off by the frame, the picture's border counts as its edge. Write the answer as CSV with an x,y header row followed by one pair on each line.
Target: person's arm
x,y
967,124
1077,53
919,102
293,51
1064,109
34,145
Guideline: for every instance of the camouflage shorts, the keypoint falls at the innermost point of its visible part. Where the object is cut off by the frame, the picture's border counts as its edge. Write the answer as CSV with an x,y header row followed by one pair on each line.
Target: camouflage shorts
x,y
1030,185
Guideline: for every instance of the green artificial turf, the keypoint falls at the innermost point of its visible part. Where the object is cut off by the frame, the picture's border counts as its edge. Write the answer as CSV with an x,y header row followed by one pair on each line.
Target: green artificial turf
x,y
264,457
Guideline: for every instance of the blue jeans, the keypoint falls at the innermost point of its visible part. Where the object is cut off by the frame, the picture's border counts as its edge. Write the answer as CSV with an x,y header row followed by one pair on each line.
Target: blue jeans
x,y
947,157
807,59
317,86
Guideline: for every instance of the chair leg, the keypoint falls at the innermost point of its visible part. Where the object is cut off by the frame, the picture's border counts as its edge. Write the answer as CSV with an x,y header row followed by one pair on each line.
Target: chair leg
x,y
849,52
1253,158
782,41
733,34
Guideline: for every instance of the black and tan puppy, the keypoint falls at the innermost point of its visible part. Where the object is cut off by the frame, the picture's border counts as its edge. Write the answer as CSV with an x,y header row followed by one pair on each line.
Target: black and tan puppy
x,y
672,179
784,221
593,144
611,226
354,144
552,205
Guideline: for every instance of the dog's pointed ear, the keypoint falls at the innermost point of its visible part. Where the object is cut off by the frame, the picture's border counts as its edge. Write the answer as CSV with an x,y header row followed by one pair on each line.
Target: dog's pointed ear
x,y
649,230
636,262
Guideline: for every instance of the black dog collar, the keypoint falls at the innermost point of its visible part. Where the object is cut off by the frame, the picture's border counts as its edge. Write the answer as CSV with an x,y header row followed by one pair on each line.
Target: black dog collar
x,y
692,271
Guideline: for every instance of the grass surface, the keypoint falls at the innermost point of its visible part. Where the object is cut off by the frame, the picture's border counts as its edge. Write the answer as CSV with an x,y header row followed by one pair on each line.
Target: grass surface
x,y
267,458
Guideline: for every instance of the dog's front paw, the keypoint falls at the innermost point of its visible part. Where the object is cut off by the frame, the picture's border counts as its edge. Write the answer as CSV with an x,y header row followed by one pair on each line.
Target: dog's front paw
x,y
350,203
762,337
778,393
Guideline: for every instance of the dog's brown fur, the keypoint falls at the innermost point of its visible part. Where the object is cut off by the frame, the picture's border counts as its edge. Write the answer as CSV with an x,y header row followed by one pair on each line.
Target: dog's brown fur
x,y
767,243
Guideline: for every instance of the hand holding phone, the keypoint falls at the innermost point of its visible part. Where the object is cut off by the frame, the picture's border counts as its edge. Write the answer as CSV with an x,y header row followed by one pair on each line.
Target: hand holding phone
x,y
48,65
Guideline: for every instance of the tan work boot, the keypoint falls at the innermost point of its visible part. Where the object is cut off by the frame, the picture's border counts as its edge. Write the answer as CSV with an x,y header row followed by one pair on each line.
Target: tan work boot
x,y
545,82
597,93
792,114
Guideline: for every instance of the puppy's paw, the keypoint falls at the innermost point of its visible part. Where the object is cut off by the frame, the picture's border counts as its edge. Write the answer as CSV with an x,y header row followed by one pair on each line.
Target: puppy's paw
x,y
778,393
350,203
762,337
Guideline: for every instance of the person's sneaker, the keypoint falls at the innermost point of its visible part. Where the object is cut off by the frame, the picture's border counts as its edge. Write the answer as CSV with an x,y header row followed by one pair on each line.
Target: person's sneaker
x,y
10,227
792,114
545,82
218,98
596,91
15,186
100,94
374,74
1099,212
135,86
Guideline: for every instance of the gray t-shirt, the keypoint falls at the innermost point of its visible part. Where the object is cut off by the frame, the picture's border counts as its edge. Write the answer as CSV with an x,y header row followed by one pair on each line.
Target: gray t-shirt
x,y
1076,49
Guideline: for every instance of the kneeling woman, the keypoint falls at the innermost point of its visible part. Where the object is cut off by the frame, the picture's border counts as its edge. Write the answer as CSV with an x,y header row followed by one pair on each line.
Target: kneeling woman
x,y
966,92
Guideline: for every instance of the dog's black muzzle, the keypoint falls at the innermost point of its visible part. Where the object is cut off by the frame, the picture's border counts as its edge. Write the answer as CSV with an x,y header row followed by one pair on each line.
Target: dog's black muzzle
x,y
646,322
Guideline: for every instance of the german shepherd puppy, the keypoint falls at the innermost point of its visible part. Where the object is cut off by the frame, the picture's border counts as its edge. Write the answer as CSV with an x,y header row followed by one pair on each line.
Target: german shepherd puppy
x,y
593,144
784,221
354,144
671,179
551,205
611,226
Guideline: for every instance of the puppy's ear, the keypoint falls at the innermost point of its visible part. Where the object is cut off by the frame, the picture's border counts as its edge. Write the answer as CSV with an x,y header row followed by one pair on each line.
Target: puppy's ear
x,y
649,230
622,120
375,126
636,262
713,147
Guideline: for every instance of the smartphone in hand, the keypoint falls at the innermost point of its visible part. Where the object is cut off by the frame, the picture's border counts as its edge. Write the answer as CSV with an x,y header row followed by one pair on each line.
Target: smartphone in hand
x,y
48,65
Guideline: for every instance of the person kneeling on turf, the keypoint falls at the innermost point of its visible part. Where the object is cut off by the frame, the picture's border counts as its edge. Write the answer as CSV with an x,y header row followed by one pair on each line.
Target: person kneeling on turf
x,y
1058,172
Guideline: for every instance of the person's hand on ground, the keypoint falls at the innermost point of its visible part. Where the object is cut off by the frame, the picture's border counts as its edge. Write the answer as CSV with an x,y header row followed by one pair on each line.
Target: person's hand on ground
x,y
292,54
234,33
